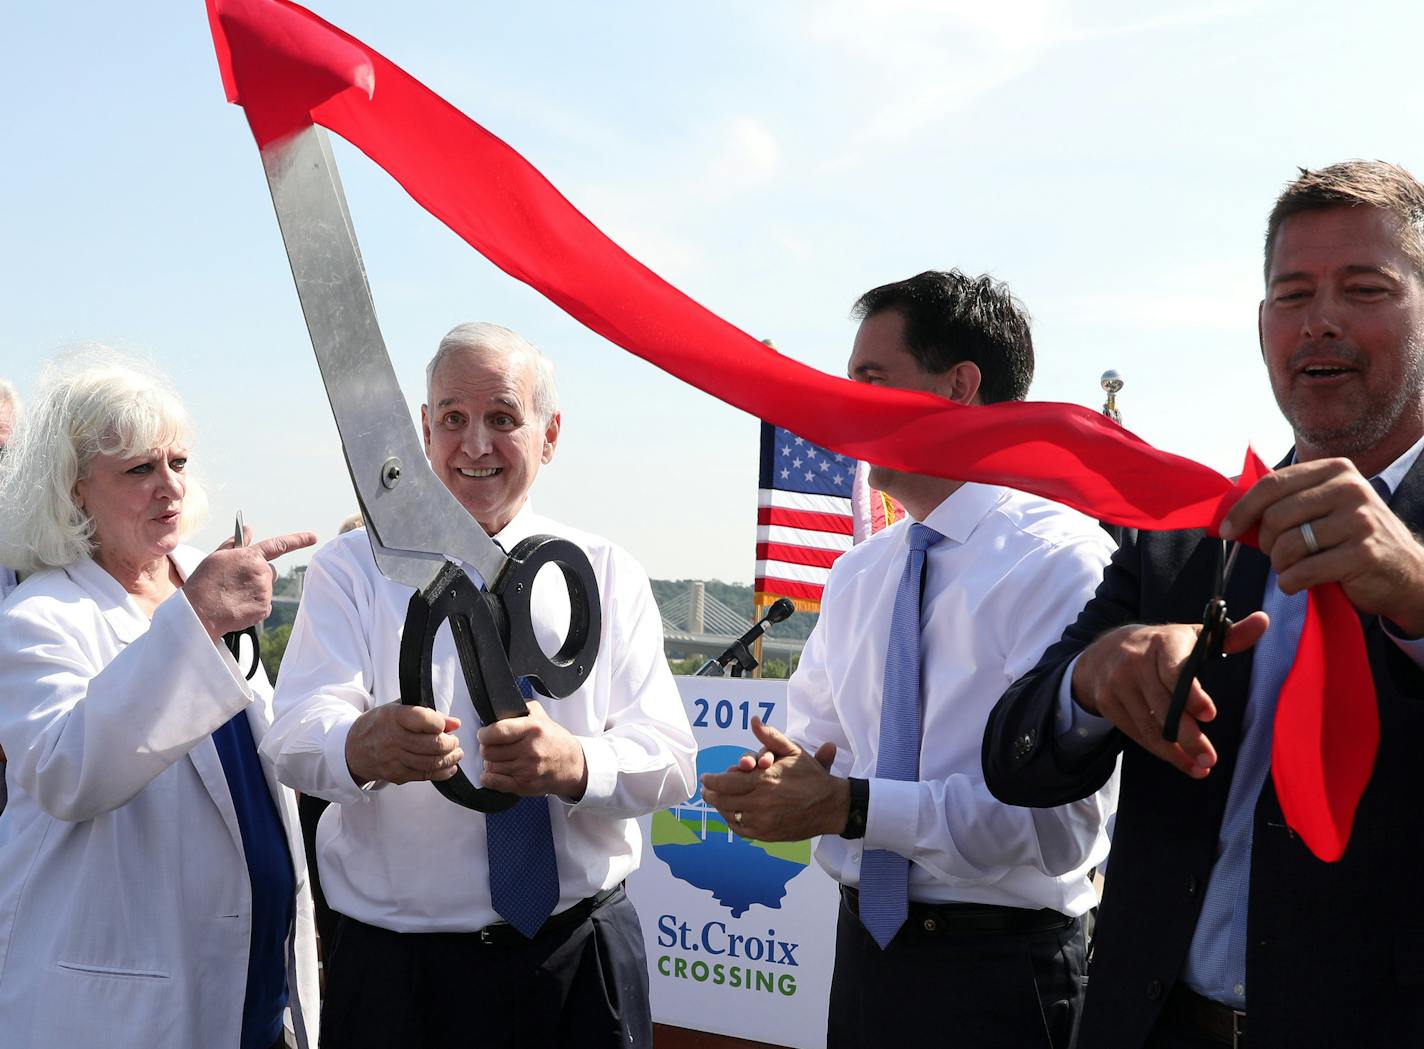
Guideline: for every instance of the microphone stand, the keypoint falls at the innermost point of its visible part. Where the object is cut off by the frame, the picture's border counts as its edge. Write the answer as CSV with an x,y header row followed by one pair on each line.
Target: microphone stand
x,y
738,655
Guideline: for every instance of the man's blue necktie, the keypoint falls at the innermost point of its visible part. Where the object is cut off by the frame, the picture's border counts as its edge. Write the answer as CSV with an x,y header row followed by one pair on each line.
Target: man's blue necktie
x,y
885,875
523,871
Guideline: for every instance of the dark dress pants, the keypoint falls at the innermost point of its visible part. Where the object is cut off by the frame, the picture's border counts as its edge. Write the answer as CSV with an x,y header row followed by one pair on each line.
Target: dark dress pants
x,y
583,986
309,810
1168,1036
968,990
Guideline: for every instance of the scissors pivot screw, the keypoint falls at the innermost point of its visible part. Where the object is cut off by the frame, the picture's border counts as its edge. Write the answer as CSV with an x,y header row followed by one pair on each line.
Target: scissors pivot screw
x,y
391,472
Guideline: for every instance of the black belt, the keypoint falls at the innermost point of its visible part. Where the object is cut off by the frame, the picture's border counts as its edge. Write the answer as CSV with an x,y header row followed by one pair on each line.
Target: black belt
x,y
502,934
1220,1023
936,919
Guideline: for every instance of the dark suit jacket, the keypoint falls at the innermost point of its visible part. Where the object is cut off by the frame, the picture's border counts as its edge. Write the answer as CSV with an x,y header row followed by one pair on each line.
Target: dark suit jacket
x,y
1335,952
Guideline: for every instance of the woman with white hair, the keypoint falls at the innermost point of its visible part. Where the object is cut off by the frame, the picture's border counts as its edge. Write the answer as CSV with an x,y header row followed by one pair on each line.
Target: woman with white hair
x,y
152,882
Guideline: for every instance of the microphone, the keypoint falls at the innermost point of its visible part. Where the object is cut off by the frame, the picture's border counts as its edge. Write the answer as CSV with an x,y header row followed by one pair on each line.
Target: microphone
x,y
780,611
739,654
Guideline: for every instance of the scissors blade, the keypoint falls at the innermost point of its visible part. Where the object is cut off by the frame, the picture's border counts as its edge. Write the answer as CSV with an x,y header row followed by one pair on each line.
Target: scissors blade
x,y
1230,564
413,522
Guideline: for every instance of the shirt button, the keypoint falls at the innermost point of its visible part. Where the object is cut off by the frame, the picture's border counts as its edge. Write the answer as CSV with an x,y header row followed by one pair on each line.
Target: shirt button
x,y
1154,990
1239,990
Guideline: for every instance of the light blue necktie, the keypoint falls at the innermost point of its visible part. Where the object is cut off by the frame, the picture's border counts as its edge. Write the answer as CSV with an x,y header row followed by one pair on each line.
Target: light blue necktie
x,y
523,871
885,875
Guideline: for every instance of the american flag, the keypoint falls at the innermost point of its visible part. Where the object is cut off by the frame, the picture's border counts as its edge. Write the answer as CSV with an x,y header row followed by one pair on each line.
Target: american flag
x,y
805,517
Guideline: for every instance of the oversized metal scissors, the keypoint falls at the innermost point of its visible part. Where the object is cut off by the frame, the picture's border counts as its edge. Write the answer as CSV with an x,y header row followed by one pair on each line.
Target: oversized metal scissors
x,y
420,535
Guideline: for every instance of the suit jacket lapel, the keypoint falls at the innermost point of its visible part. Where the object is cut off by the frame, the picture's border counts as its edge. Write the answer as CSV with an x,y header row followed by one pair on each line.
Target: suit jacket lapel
x,y
1230,685
204,756
210,770
259,719
1407,501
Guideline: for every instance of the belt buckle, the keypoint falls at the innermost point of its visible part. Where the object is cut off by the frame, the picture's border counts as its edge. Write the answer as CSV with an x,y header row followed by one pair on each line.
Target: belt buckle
x,y
1238,1029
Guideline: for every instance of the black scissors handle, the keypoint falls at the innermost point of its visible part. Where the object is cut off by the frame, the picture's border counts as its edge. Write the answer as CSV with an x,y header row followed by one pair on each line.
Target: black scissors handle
x,y
1207,649
495,641
1215,624
233,641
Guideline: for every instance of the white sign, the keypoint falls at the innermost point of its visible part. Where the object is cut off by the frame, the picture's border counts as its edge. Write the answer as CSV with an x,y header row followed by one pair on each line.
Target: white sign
x,y
740,934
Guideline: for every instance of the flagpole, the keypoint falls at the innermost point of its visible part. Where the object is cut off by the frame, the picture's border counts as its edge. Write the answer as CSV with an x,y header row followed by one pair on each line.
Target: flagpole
x,y
758,606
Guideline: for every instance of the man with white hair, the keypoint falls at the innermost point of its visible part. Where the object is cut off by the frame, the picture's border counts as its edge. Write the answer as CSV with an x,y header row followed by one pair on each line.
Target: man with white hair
x,y
519,914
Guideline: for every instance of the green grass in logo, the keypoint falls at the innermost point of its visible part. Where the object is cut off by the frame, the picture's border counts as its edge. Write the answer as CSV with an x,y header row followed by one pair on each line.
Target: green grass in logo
x,y
694,841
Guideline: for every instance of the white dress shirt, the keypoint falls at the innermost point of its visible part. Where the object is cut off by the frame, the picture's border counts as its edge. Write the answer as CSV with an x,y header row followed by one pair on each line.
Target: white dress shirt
x,y
1012,571
404,858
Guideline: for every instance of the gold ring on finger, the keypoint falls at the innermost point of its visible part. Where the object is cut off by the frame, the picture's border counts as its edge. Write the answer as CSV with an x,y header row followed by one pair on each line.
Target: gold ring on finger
x,y
738,817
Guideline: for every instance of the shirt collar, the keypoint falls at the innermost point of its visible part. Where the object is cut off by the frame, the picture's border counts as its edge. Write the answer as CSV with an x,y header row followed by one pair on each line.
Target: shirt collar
x,y
521,526
958,516
1393,474
1396,471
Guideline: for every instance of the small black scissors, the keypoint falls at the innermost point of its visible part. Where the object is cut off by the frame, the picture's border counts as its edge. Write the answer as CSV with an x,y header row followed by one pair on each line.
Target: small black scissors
x,y
1215,624
234,639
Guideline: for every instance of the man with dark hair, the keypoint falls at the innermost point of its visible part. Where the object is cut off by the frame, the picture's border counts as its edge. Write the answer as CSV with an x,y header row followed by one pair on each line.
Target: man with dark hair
x,y
949,318
960,915
1219,920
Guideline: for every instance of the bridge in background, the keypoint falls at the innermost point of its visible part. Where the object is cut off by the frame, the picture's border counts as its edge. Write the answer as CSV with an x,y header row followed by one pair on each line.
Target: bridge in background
x,y
693,622
697,623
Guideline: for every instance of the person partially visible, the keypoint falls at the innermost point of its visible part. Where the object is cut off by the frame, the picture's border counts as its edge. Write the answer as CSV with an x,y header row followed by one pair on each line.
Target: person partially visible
x,y
9,420
460,928
310,807
1219,926
152,886
960,917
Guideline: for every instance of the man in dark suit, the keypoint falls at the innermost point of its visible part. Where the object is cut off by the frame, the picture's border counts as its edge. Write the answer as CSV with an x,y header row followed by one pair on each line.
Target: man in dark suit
x,y
1217,920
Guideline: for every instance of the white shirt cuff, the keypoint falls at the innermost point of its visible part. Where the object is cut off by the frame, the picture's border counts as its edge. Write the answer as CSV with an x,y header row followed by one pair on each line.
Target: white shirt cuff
x,y
1411,647
192,632
1078,732
601,760
347,791
890,822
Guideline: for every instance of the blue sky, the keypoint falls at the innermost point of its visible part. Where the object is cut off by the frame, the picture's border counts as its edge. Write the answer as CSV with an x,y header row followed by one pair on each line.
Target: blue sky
x,y
773,160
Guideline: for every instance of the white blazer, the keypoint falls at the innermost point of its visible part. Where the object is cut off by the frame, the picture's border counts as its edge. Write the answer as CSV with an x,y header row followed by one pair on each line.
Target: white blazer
x,y
125,905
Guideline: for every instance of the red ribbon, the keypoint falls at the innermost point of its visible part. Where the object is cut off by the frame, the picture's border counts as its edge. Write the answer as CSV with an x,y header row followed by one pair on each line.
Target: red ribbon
x,y
287,68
